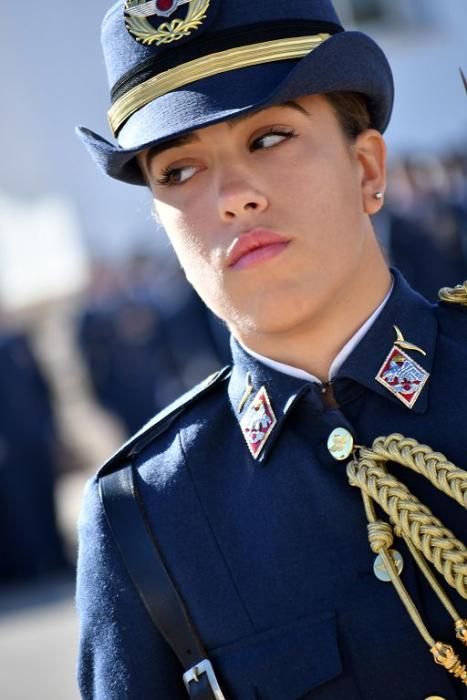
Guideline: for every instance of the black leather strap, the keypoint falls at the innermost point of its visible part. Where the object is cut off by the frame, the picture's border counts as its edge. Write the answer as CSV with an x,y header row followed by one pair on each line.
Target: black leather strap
x,y
141,554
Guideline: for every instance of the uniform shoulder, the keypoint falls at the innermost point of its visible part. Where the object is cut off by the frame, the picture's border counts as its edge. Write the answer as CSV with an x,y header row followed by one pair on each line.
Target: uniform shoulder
x,y
452,310
163,420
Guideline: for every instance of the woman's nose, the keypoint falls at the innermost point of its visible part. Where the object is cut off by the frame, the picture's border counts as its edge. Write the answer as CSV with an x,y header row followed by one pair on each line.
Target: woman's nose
x,y
238,196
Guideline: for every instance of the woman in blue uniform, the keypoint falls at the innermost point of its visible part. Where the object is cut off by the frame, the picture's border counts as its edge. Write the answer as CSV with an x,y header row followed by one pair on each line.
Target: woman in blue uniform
x,y
226,541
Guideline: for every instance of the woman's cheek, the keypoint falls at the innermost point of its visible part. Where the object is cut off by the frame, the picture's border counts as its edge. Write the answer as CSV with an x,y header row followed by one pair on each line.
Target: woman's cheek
x,y
187,244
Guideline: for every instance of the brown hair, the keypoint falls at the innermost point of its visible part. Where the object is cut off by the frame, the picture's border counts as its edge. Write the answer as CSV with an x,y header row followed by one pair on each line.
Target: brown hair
x,y
352,112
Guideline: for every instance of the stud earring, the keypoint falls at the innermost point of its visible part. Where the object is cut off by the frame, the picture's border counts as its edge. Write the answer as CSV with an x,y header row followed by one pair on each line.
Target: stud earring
x,y
379,195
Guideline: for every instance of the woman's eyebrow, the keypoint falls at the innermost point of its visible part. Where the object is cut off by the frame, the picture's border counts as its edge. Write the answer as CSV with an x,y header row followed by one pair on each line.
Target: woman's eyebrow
x,y
192,136
158,148
297,106
253,113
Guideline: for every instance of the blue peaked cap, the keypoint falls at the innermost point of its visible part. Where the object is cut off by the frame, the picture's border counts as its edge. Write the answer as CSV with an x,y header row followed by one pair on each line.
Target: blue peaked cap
x,y
178,65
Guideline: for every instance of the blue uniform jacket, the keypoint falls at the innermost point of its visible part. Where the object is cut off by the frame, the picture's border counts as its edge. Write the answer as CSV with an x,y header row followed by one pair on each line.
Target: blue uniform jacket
x,y
271,555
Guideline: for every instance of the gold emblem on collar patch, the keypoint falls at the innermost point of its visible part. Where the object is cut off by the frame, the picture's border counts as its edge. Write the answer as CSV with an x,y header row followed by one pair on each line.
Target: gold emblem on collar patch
x,y
258,422
137,13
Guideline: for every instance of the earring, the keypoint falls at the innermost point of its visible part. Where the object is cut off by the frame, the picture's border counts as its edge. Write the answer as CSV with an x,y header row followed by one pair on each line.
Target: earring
x,y
379,195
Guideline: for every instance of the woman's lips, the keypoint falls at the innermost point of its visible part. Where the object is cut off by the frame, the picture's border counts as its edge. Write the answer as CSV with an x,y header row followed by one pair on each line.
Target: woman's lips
x,y
254,247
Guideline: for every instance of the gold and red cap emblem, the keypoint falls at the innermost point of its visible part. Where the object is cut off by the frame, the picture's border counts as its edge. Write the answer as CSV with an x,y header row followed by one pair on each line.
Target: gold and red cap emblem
x,y
143,23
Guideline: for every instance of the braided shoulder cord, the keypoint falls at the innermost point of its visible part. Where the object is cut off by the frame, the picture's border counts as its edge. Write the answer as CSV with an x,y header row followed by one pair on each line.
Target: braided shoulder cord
x,y
454,295
425,535
421,459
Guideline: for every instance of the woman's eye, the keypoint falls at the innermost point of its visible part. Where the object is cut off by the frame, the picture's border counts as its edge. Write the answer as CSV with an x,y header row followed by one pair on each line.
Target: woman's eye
x,y
177,176
272,138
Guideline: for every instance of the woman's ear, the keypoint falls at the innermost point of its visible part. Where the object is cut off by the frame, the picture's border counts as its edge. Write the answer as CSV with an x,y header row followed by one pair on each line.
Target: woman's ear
x,y
370,150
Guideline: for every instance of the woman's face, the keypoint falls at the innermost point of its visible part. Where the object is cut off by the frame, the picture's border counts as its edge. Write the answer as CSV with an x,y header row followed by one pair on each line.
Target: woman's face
x,y
268,213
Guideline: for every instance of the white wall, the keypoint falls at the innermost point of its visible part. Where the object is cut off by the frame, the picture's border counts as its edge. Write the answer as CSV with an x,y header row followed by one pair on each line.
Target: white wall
x,y
430,112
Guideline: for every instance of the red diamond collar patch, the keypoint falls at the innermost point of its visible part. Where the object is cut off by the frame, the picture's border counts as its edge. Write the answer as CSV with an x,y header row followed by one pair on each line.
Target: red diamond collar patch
x,y
402,376
258,422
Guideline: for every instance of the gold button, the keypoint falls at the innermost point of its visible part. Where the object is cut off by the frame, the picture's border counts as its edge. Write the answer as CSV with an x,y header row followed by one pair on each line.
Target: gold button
x,y
380,570
340,443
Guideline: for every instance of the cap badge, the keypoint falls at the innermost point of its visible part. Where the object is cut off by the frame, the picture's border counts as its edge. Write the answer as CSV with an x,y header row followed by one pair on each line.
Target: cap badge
x,y
400,374
137,13
258,422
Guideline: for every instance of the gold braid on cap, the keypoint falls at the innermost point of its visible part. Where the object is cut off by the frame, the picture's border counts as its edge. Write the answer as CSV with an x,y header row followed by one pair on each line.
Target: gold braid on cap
x,y
425,536
207,66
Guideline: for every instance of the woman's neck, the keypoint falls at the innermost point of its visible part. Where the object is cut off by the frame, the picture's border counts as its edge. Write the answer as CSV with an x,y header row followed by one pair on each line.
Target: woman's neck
x,y
314,345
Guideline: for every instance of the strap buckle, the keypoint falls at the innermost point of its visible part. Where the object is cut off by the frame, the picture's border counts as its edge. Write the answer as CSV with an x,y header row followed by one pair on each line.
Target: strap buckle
x,y
193,674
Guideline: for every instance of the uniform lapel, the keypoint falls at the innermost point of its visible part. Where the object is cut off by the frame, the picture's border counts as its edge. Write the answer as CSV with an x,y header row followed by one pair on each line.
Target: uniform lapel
x,y
380,364
260,399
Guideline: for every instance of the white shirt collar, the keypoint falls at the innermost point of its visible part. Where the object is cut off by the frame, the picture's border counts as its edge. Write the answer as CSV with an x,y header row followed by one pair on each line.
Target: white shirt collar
x,y
338,360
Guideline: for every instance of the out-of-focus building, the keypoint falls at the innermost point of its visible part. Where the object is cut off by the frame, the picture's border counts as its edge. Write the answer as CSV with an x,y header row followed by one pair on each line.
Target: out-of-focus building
x,y
425,43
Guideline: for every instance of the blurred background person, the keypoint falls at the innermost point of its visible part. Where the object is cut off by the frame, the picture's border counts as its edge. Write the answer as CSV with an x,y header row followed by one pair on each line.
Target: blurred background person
x,y
423,228
30,543
142,346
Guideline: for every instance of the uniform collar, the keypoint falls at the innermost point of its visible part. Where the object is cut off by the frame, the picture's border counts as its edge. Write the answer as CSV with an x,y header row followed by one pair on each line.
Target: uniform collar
x,y
416,319
405,308
248,377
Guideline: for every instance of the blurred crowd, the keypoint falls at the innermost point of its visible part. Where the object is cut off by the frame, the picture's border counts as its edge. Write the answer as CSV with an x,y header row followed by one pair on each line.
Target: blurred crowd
x,y
423,226
145,338
30,544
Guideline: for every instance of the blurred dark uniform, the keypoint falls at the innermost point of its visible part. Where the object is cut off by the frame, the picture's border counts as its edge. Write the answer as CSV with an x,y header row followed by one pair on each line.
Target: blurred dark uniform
x,y
448,226
30,544
127,357
140,357
425,265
